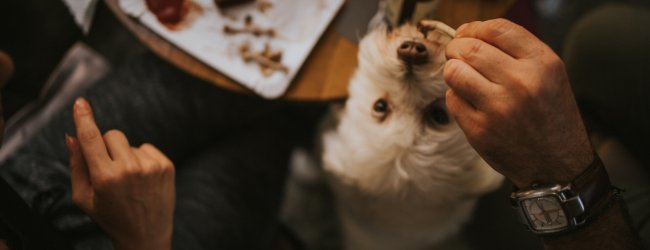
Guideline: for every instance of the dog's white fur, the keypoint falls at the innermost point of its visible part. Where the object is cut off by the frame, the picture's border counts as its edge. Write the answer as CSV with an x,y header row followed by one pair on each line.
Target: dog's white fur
x,y
400,182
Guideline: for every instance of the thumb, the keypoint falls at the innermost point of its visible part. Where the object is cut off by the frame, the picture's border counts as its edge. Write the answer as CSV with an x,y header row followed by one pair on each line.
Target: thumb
x,y
82,192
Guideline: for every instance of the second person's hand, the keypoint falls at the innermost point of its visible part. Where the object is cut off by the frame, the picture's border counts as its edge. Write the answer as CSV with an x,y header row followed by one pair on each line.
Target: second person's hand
x,y
128,191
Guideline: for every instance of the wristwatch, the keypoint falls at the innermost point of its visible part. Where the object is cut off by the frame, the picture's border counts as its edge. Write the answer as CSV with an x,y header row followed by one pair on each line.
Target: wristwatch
x,y
559,208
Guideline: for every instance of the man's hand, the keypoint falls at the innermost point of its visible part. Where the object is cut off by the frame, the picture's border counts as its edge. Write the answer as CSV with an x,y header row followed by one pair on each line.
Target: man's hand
x,y
510,94
128,191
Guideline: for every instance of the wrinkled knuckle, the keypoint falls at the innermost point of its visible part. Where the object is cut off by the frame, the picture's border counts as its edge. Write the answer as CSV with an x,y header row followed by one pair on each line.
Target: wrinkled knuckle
x,y
160,170
130,166
147,167
130,170
105,182
167,166
520,79
132,173
168,163
126,173
533,91
529,96
155,168
554,64
147,145
151,164
499,112
471,50
499,24
151,170
498,27
88,135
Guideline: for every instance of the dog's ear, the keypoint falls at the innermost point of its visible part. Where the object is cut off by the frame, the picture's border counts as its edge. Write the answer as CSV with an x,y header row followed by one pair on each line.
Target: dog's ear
x,y
377,21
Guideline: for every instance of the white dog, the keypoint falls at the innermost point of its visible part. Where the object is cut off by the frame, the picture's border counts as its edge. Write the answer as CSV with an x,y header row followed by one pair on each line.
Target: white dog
x,y
402,171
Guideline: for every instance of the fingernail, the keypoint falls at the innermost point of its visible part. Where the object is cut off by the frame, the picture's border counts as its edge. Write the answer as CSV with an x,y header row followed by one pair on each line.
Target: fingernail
x,y
81,106
460,29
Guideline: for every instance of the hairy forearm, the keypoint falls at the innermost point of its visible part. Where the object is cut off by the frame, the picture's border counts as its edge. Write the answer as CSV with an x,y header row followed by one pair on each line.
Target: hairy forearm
x,y
610,230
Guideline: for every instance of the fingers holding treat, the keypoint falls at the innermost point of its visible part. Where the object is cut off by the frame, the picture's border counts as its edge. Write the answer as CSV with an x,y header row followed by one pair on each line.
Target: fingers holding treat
x,y
425,26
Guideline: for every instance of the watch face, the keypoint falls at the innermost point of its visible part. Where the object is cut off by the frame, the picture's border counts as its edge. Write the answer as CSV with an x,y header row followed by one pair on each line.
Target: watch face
x,y
545,213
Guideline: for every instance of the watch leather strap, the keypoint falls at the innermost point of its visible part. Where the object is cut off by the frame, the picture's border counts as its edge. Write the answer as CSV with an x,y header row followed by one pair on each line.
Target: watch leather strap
x,y
592,186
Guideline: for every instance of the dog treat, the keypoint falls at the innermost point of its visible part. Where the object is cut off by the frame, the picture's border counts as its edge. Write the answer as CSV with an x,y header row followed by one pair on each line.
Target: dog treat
x,y
249,27
424,26
263,6
168,12
256,31
268,60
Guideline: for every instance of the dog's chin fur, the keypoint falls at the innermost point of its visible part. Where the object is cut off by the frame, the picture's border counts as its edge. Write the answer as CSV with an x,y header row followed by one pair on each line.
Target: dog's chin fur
x,y
400,182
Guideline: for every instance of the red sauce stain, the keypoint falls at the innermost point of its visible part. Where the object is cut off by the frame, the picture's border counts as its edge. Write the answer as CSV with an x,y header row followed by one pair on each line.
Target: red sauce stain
x,y
175,14
168,12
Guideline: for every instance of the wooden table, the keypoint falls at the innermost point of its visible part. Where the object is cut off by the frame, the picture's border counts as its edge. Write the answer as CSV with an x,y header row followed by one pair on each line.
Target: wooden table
x,y
325,73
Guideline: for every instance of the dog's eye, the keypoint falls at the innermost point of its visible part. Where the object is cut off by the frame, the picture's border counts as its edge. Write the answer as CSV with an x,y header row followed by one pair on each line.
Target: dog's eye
x,y
380,110
436,113
380,106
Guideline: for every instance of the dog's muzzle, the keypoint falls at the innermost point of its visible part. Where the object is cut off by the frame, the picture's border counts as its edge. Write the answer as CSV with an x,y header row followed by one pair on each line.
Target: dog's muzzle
x,y
413,53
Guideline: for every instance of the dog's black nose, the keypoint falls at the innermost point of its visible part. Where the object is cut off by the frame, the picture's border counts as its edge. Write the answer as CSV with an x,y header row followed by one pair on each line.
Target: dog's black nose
x,y
413,53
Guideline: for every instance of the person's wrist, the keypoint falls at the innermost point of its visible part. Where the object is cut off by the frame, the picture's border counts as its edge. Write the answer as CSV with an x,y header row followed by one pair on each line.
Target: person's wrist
x,y
555,170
